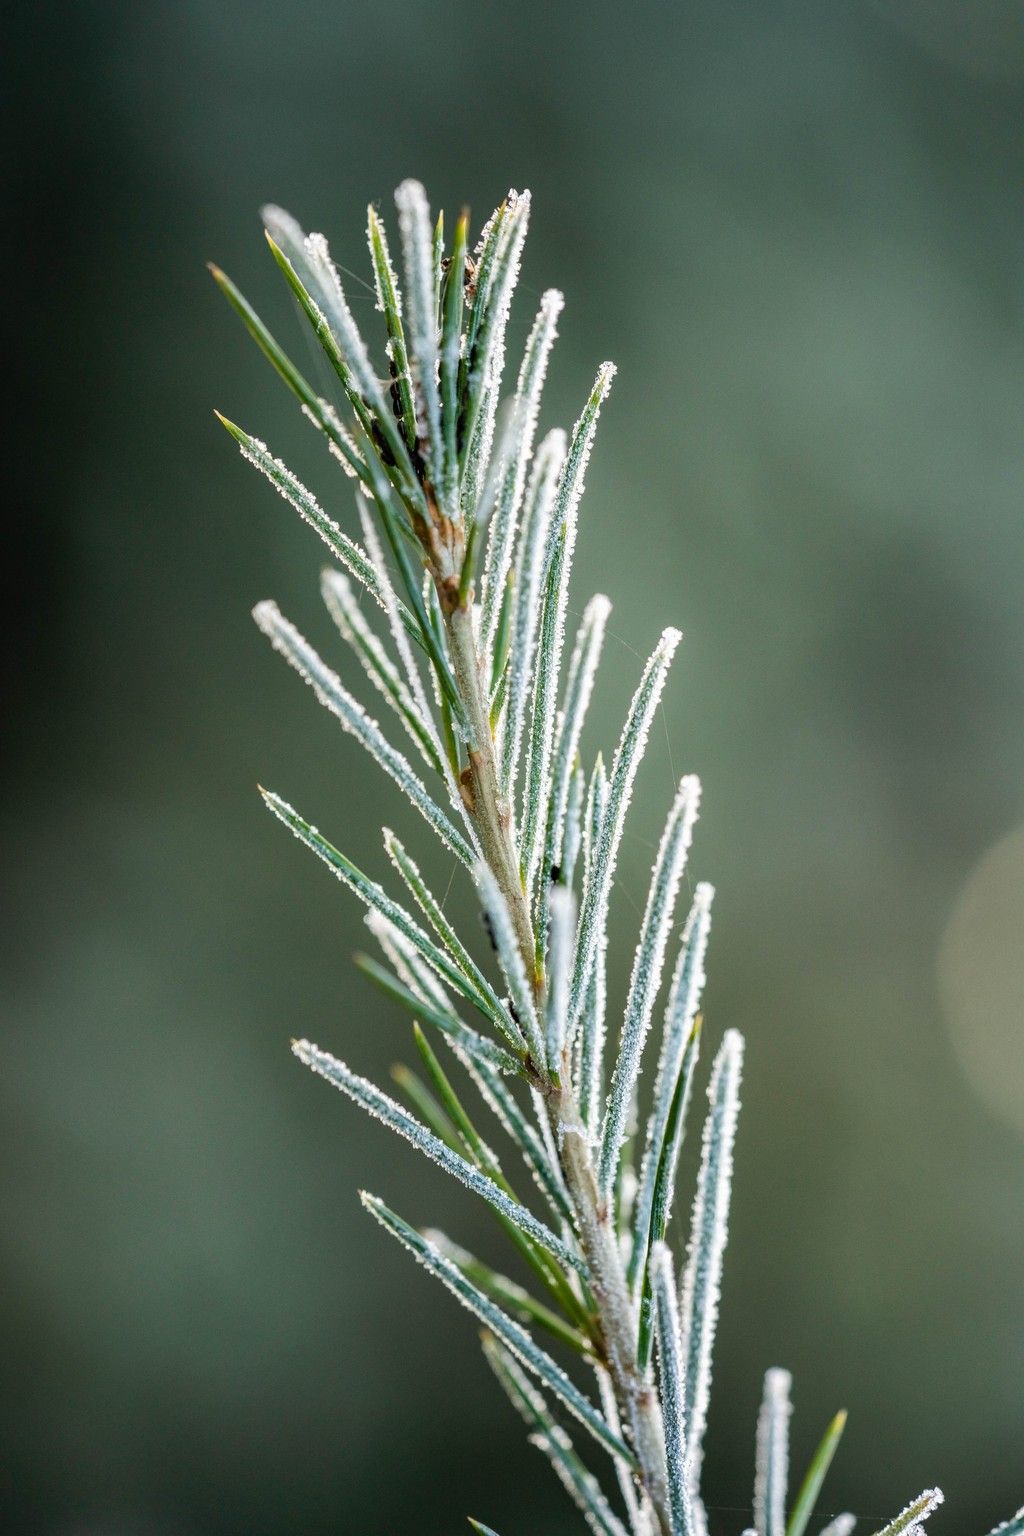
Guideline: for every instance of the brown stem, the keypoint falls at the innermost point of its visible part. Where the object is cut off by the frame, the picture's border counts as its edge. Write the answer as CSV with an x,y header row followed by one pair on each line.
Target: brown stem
x,y
617,1311
492,814
599,1241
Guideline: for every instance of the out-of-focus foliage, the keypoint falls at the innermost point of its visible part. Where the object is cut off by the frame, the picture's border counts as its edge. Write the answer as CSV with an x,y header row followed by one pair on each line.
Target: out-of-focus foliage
x,y
821,359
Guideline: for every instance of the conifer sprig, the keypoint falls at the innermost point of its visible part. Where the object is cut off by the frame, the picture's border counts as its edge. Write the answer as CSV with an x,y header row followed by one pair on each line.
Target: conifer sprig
x,y
463,534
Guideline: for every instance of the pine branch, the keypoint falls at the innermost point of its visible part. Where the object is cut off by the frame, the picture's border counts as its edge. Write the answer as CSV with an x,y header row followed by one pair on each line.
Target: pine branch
x,y
466,536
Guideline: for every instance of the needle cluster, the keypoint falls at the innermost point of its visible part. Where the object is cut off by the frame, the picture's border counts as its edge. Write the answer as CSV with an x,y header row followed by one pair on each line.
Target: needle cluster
x,y
450,589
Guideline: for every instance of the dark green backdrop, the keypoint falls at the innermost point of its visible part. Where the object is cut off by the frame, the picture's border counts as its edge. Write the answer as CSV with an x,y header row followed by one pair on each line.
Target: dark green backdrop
x,y
799,230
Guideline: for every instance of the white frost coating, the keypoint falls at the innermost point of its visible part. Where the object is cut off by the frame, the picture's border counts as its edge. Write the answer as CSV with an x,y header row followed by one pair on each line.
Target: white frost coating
x,y
916,1512
383,270
412,672
286,233
369,892
579,687
472,1049
340,602
339,441
1012,1527
572,829
498,556
537,786
640,1518
771,1468
389,602
306,505
406,963
708,1235
311,262
544,1171
671,1373
432,911
683,1002
563,921
489,363
555,586
511,960
843,1525
328,687
572,483
648,964
418,255
594,911
507,1291
389,304
549,1437
540,503
592,1026
331,297
515,1338
369,1097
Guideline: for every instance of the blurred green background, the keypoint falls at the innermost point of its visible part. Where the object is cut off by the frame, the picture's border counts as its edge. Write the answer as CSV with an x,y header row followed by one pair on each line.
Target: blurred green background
x,y
799,230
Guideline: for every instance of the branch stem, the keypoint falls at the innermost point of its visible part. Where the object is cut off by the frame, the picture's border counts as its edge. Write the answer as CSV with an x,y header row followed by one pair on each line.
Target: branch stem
x,y
634,1390
491,811
617,1313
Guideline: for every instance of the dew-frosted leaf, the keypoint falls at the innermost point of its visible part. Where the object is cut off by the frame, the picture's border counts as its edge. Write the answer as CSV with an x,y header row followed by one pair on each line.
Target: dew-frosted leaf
x,y
340,602
307,265
640,1517
485,342
389,302
915,1513
501,538
426,1106
576,700
563,924
519,1304
346,550
772,1460
549,1437
433,912
331,692
511,1334
476,1047
667,1120
418,256
572,827
592,1025
647,969
369,892
551,637
393,609
671,1377
702,1277
543,1167
842,1525
511,961
594,908
1012,1527
315,408
451,361
481,1155
378,1104
526,601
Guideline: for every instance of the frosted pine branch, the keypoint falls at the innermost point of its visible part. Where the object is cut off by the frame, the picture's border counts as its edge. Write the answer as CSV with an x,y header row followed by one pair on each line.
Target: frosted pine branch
x,y
464,534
